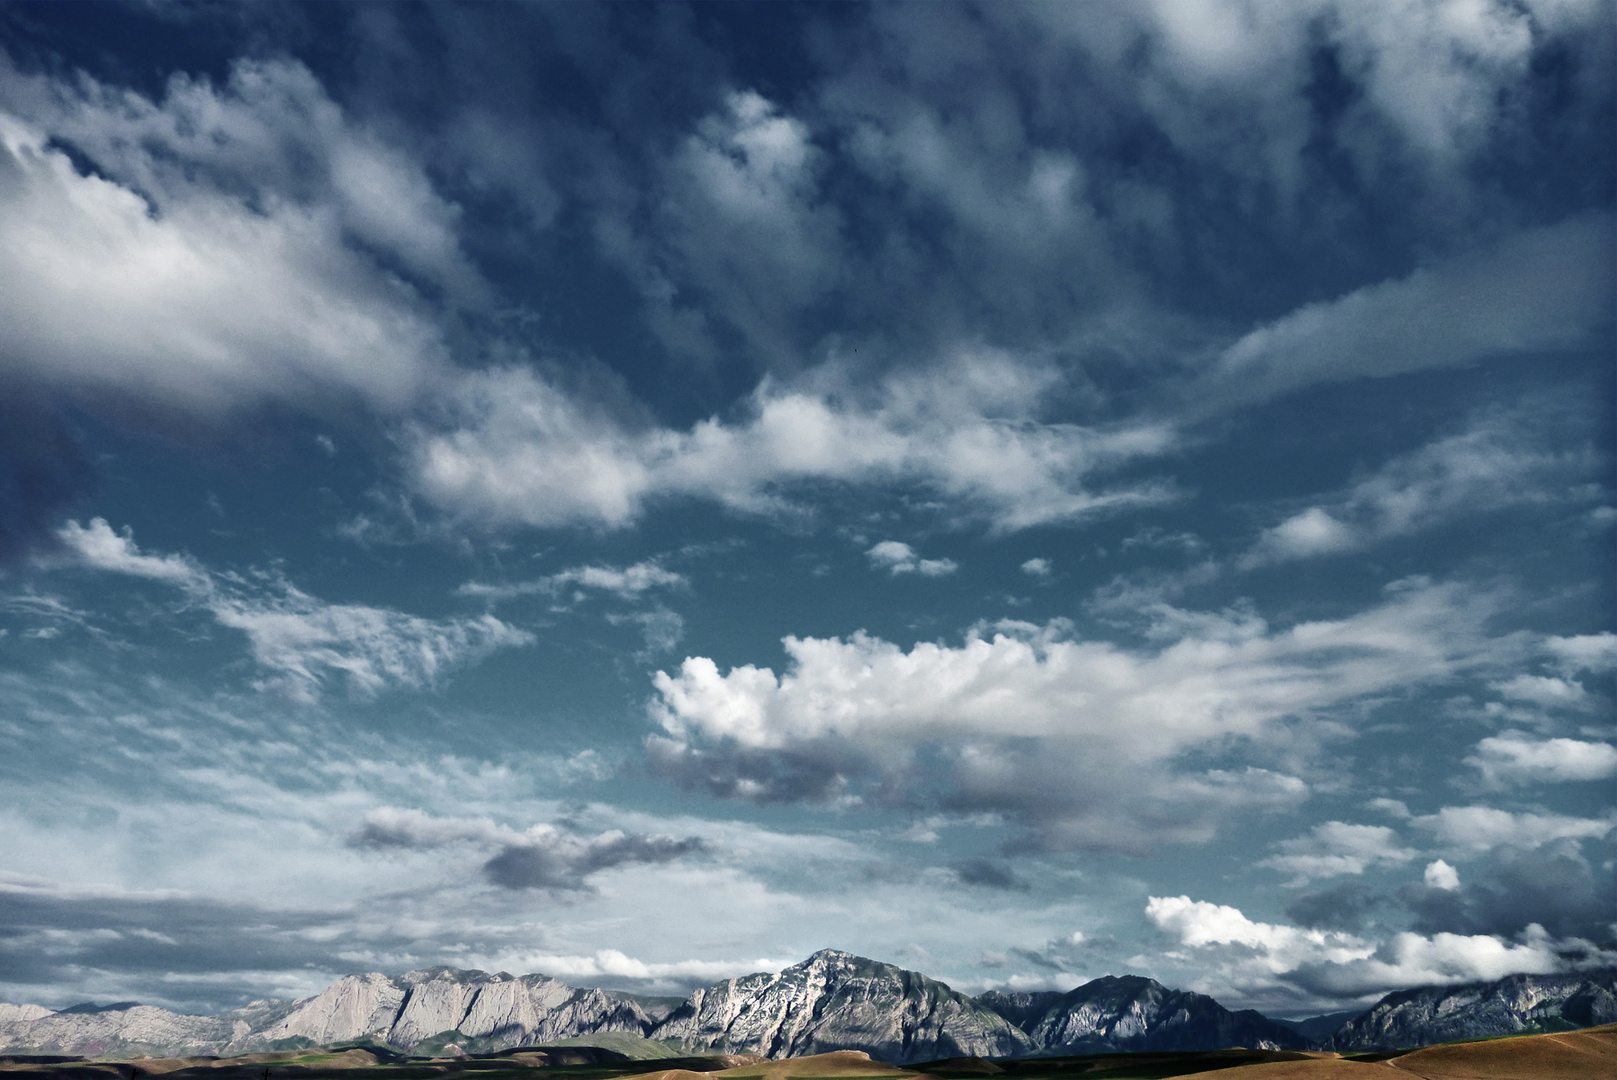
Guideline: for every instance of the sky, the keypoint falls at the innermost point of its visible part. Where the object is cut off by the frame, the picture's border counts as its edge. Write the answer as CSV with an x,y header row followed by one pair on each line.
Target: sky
x,y
642,493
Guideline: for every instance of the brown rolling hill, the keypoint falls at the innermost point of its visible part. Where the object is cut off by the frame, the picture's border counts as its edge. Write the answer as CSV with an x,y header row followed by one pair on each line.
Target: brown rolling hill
x,y
1590,1054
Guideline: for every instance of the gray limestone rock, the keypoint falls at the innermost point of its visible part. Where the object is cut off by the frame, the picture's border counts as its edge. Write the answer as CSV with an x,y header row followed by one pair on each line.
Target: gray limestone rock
x,y
1515,1005
836,1001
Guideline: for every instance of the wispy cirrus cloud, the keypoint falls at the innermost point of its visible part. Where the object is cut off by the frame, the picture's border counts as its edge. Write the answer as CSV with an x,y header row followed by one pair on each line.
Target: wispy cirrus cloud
x,y
626,582
302,641
1500,460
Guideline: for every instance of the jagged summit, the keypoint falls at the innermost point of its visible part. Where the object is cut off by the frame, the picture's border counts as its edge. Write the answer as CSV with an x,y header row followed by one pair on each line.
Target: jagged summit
x,y
833,1000
1514,1005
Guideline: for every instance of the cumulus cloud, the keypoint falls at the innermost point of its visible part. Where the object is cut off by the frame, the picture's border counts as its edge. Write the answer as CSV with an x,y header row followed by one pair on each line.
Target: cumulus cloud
x,y
1037,568
897,557
301,640
1070,737
1276,960
1553,885
1585,652
1336,847
214,283
1440,875
516,449
1545,690
1471,829
539,857
1516,758
1498,461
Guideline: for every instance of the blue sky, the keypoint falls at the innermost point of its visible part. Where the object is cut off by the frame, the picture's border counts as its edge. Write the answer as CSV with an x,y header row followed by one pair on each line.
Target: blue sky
x,y
643,493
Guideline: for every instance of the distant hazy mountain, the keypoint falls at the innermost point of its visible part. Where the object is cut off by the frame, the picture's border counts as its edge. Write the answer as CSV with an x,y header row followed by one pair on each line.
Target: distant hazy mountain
x,y
1515,1005
831,1001
130,1030
837,1001
1134,1013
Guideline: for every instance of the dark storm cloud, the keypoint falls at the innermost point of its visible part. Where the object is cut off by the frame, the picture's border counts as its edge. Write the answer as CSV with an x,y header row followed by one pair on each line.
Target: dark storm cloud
x,y
565,866
1554,885
989,874
167,948
542,857
1348,905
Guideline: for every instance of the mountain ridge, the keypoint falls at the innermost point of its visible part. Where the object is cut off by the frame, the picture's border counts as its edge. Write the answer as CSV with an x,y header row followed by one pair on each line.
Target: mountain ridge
x,y
831,1001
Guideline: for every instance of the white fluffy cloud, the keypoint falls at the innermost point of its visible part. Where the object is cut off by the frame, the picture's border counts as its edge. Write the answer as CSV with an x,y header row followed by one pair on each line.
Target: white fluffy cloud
x,y
897,557
1440,875
1071,737
517,449
1473,829
1585,652
1267,959
217,281
1514,757
303,641
1336,847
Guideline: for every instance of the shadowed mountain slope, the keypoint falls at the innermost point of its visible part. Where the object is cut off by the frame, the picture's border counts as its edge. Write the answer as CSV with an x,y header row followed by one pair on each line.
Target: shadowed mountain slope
x,y
1514,1005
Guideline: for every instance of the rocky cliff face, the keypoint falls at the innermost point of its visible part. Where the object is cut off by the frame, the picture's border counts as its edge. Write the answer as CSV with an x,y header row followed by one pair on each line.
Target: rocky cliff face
x,y
499,1010
831,1001
130,1030
1134,1013
1517,1004
836,1001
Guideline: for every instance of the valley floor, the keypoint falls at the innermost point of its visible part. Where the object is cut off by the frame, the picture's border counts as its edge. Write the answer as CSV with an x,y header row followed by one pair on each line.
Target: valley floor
x,y
1589,1054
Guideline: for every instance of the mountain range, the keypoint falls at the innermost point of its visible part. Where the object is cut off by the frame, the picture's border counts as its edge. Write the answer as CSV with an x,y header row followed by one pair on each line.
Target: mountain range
x,y
831,1001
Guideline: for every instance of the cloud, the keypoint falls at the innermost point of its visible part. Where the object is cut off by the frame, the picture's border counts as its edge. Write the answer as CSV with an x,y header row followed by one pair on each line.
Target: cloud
x,y
626,582
215,285
611,964
1037,568
1336,847
1472,829
661,628
1440,875
1514,757
1552,885
1585,652
1072,738
1540,290
1276,960
540,857
1346,906
897,558
1498,461
989,874
302,640
99,547
516,449
1542,690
